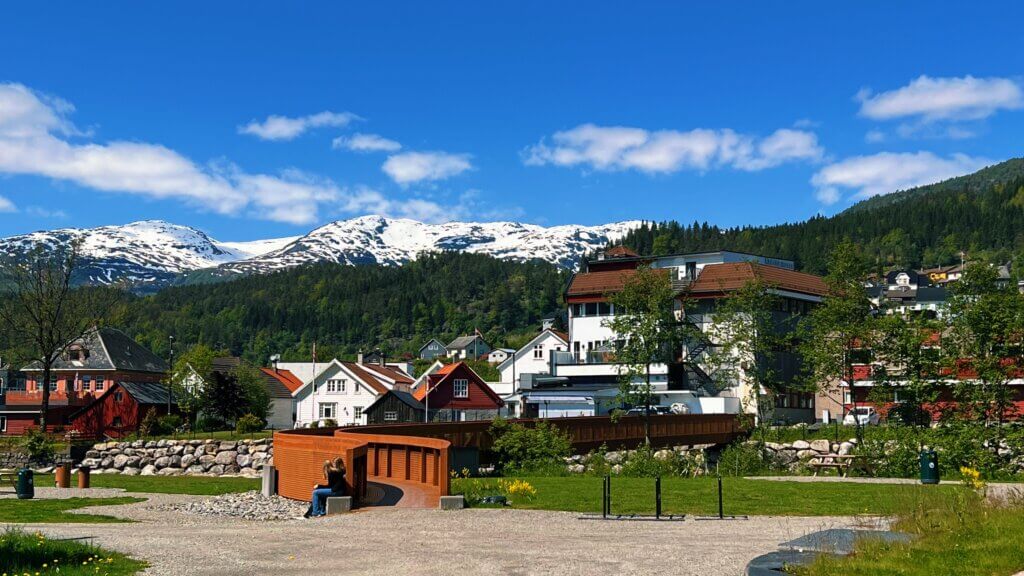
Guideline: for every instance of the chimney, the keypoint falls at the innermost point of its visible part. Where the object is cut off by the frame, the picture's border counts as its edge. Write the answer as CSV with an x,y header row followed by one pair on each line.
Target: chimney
x,y
359,357
274,360
381,359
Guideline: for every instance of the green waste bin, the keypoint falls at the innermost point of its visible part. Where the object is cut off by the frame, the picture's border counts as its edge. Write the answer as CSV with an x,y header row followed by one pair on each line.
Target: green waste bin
x,y
929,466
26,488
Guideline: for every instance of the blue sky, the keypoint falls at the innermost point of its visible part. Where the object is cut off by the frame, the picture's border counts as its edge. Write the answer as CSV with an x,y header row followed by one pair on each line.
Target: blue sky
x,y
252,120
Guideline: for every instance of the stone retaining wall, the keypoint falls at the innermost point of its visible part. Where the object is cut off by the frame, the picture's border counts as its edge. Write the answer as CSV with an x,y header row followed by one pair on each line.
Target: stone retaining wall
x,y
181,457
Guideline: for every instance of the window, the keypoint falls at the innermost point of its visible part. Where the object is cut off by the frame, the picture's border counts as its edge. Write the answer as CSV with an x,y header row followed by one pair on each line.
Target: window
x,y
847,397
538,352
591,308
391,416
604,309
53,383
86,382
100,384
336,386
116,423
119,396
357,412
461,386
3,423
328,410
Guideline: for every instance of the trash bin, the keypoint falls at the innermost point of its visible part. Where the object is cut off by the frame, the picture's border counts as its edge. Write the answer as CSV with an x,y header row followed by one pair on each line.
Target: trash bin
x,y
62,476
929,466
83,477
26,488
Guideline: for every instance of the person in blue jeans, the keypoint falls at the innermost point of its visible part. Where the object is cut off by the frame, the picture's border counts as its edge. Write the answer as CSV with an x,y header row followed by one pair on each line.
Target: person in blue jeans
x,y
334,474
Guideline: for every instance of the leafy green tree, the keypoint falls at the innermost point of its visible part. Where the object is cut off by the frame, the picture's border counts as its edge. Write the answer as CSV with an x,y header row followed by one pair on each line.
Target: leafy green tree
x,y
647,333
189,375
908,366
840,326
985,342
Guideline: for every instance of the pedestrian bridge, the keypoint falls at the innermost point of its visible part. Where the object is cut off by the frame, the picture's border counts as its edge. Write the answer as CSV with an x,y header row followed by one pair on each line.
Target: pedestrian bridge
x,y
408,465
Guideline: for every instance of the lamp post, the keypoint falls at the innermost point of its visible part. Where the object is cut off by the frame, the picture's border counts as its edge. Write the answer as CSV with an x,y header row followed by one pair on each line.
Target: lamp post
x,y
170,365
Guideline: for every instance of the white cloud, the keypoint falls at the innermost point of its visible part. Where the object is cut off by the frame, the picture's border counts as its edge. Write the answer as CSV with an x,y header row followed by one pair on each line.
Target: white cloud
x,y
409,167
665,151
932,99
888,172
285,128
366,143
44,212
7,206
35,140
874,136
368,200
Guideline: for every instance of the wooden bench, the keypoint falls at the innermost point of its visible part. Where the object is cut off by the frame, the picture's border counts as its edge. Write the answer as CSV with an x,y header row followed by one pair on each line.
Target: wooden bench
x,y
842,463
8,476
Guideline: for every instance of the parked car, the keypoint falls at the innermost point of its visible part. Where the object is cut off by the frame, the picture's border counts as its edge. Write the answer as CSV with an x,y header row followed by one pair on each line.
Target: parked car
x,y
655,411
863,415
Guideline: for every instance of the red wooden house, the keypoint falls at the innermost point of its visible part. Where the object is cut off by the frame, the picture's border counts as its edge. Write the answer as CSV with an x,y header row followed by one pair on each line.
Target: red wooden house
x,y
455,393
89,368
119,411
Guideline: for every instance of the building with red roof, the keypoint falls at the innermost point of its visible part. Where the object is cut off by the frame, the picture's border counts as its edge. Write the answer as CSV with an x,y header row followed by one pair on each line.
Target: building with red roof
x,y
455,393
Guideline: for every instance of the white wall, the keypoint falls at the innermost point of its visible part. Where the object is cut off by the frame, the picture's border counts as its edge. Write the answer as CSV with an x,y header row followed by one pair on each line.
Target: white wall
x,y
355,394
525,363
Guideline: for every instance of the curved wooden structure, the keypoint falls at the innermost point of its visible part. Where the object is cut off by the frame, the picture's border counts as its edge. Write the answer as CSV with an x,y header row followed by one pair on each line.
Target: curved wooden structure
x,y
415,467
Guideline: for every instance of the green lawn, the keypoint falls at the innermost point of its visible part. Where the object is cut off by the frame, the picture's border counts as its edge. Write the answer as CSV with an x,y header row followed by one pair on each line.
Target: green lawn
x,y
699,496
24,553
219,435
957,534
199,485
56,511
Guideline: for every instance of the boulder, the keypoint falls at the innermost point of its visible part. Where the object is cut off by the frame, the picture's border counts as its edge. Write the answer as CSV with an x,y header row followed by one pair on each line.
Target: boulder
x,y
138,444
243,460
846,448
617,469
216,470
91,462
805,454
175,450
249,473
130,471
577,469
151,444
194,470
821,445
106,462
228,445
231,469
773,446
159,453
259,442
170,472
162,462
801,445
148,471
175,461
207,460
258,448
187,460
243,449
92,454
119,461
227,457
210,448
663,455
133,462
613,457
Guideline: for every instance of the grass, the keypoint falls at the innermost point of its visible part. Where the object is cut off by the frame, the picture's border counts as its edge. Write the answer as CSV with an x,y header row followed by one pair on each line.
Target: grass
x,y
956,534
218,435
699,496
24,553
198,485
57,511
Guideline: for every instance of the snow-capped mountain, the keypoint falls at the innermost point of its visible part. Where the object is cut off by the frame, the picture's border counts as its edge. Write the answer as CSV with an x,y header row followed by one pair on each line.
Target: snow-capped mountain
x,y
152,253
395,241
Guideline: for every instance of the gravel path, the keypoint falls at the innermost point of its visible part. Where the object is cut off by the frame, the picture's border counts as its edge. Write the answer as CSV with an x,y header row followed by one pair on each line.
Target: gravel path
x,y
401,541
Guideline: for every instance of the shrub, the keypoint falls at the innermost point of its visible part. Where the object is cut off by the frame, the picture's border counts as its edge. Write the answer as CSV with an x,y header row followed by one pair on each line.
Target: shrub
x,y
248,424
209,424
518,448
642,463
329,423
150,424
314,424
169,424
743,459
38,445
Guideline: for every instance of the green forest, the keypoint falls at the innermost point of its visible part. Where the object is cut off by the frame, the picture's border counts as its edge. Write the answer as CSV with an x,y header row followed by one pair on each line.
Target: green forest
x,y
981,214
347,308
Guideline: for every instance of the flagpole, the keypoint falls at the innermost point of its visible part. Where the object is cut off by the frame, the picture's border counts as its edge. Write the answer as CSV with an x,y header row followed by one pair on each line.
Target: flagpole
x,y
312,395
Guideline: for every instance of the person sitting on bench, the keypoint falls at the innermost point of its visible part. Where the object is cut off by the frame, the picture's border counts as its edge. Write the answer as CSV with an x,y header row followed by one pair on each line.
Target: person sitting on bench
x,y
334,474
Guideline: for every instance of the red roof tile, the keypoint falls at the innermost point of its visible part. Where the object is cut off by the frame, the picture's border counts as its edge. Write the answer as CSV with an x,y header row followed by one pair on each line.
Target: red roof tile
x,y
621,252
603,282
366,377
390,372
717,278
290,381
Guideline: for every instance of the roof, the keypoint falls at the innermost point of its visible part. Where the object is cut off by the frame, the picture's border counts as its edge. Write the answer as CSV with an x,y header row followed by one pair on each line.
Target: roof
x,y
148,392
529,345
602,282
403,396
463,342
390,372
225,364
437,378
717,278
620,252
280,383
359,370
110,349
427,343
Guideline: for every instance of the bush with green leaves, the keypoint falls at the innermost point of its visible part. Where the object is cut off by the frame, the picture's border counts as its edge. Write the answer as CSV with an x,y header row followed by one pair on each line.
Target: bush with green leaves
x,y
169,423
744,459
518,448
249,423
207,423
38,445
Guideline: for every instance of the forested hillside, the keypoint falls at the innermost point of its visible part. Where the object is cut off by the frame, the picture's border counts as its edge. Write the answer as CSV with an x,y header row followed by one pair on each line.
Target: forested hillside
x,y
345,308
981,213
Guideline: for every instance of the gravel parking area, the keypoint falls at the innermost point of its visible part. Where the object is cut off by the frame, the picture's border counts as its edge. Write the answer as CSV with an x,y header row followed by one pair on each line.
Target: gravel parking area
x,y
403,541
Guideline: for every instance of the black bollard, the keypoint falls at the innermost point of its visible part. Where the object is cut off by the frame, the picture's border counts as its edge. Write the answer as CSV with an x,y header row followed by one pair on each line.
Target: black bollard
x,y
721,515
657,498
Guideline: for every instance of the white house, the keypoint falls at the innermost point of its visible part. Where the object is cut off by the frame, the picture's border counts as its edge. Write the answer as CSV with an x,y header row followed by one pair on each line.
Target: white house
x,y
499,355
339,391
532,358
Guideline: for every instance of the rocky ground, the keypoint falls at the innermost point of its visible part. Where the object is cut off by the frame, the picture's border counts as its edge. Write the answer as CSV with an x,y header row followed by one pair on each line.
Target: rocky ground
x,y
246,505
181,457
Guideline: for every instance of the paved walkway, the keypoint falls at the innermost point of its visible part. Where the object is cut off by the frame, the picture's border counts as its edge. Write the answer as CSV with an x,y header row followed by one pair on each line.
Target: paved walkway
x,y
426,542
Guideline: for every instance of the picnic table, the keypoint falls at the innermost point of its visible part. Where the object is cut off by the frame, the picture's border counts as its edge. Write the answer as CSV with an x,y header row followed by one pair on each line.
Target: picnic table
x,y
9,476
843,464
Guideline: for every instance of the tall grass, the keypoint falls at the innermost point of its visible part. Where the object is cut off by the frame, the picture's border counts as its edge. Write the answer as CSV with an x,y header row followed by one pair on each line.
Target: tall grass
x,y
25,553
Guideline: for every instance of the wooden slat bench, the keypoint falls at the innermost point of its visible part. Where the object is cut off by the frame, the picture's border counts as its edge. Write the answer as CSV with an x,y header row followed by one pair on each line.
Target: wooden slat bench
x,y
842,463
8,476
